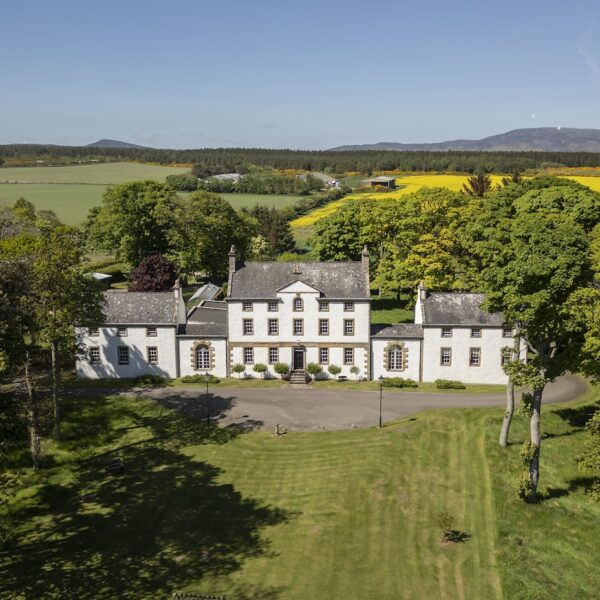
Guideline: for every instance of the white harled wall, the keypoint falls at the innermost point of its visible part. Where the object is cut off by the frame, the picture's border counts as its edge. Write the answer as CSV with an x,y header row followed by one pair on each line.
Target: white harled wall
x,y
187,358
379,349
137,341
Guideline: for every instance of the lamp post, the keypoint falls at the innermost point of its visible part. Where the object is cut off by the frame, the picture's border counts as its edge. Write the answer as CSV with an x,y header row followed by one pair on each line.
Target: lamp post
x,y
207,400
380,398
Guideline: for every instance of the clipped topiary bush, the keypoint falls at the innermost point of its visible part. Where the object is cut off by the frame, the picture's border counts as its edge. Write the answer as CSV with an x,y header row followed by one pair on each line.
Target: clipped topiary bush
x,y
260,368
238,368
314,369
449,384
334,370
399,382
281,368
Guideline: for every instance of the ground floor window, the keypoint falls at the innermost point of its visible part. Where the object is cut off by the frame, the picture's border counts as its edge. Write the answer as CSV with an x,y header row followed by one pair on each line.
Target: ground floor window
x,y
248,356
123,355
395,359
323,356
273,355
152,355
95,356
348,356
202,357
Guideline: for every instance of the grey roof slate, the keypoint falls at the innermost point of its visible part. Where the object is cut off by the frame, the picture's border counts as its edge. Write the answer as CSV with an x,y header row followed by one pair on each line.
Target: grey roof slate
x,y
397,330
208,291
205,321
256,280
450,308
143,308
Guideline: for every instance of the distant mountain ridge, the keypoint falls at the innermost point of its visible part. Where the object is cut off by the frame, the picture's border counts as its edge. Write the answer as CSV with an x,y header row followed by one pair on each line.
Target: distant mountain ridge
x,y
545,139
105,143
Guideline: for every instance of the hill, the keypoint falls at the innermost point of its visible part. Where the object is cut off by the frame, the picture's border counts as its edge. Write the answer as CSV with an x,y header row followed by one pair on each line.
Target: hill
x,y
544,139
104,143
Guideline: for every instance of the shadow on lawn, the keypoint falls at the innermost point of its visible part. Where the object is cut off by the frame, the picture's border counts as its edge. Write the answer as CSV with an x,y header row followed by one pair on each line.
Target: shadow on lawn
x,y
166,523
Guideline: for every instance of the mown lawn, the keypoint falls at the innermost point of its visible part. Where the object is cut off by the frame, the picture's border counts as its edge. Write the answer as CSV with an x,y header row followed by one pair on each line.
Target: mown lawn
x,y
305,515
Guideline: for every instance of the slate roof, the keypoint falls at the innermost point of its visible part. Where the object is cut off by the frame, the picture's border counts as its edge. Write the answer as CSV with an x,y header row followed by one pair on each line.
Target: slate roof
x,y
449,308
140,308
258,280
208,322
397,330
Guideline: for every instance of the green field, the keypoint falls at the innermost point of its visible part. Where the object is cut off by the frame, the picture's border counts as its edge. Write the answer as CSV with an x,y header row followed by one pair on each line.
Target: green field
x,y
305,515
71,191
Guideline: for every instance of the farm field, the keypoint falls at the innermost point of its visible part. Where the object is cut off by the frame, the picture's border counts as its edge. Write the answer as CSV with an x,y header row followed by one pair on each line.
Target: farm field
x,y
306,515
248,200
411,184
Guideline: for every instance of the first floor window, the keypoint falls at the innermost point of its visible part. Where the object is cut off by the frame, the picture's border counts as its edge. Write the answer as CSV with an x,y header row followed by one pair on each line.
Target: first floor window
x,y
507,332
273,355
152,355
476,332
122,331
298,304
446,331
348,326
348,306
246,306
323,356
273,326
323,305
93,332
248,327
298,327
248,356
323,326
123,355
202,357
273,306
395,359
348,356
505,356
474,357
95,355
446,357
151,332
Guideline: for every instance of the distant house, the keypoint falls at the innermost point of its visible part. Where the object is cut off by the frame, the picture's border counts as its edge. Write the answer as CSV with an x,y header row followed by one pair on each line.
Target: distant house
x,y
232,177
381,181
326,179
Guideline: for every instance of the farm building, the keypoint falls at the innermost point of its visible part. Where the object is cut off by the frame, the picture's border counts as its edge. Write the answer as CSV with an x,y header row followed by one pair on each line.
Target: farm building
x,y
381,181
296,314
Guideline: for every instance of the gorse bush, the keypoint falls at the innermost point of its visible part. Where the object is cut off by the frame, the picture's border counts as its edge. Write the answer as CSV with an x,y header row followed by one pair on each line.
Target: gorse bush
x,y
449,384
399,382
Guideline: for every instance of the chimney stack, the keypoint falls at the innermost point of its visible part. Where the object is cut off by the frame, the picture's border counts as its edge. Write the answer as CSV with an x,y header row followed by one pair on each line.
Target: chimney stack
x,y
232,267
364,258
422,291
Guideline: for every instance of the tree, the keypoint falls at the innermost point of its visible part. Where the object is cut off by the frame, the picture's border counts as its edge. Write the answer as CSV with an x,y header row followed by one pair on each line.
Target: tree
x,y
514,178
274,227
154,274
205,227
134,220
532,263
477,185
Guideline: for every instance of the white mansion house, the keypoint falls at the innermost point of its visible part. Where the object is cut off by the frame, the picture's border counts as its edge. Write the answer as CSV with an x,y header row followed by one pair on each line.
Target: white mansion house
x,y
296,313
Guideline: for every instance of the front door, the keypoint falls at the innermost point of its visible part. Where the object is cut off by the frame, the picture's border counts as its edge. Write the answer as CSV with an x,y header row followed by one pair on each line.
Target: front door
x,y
298,358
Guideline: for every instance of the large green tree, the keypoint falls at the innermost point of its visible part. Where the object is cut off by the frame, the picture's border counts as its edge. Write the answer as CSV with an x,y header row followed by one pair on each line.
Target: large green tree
x,y
133,221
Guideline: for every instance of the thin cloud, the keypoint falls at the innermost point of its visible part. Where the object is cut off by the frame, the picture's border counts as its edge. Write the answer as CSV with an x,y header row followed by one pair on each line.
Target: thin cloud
x,y
590,59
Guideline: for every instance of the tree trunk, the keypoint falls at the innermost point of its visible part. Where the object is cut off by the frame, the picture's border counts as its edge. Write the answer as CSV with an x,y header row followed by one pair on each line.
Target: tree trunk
x,y
55,388
510,409
535,437
510,399
33,416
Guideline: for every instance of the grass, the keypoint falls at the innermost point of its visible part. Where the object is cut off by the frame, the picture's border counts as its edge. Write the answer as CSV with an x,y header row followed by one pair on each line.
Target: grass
x,y
305,515
390,310
248,200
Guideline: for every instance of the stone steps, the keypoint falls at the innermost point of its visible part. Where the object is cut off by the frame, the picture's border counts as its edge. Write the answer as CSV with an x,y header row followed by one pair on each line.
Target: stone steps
x,y
298,377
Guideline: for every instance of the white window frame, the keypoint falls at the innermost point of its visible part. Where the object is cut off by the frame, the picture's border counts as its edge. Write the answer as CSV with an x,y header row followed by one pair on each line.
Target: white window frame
x,y
348,326
475,353
448,351
508,332
446,332
298,305
348,352
121,331
273,330
505,356
323,326
247,306
394,354
273,355
323,305
272,306
323,356
94,355
248,326
149,351
151,332
93,331
349,306
299,322
202,357
248,355
123,355
476,332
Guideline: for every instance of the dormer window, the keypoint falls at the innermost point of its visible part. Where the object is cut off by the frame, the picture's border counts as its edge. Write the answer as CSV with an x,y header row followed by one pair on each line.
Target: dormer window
x,y
298,305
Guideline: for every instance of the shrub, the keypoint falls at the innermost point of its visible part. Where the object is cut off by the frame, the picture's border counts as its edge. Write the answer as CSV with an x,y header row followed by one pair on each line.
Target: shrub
x,y
149,380
444,521
238,368
199,379
314,369
523,487
399,382
354,370
281,368
260,368
334,370
449,384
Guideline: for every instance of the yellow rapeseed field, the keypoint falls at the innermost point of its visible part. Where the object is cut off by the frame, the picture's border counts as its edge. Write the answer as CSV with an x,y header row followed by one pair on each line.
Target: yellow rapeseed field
x,y
413,183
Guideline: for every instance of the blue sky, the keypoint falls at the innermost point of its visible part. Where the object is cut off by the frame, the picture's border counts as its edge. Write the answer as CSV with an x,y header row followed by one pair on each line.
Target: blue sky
x,y
189,74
